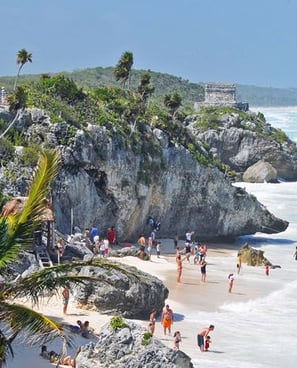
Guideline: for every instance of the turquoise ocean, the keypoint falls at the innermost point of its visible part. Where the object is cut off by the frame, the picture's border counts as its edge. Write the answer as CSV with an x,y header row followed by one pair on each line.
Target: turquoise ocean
x,y
262,333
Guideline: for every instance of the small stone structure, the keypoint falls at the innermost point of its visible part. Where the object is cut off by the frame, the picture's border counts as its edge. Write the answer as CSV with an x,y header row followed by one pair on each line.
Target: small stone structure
x,y
220,94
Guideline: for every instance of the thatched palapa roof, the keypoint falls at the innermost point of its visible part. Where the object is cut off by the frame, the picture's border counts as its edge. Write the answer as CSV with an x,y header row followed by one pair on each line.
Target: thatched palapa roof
x,y
16,205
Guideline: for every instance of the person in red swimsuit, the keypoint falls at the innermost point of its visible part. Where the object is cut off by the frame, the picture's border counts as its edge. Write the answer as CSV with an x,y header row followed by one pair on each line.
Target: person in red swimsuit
x,y
111,236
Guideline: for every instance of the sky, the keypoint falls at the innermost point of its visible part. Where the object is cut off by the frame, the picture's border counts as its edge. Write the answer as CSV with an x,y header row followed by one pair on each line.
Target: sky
x,y
251,42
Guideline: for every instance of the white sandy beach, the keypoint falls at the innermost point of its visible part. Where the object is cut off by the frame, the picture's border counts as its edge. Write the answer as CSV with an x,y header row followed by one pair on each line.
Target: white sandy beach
x,y
185,298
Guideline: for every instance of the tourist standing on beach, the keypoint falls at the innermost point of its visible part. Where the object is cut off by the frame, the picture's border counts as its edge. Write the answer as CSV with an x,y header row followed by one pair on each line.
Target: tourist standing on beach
x,y
94,231
141,243
203,269
60,248
111,236
106,246
231,280
149,247
267,269
152,321
188,251
158,248
175,241
189,235
153,236
239,262
179,262
65,298
202,335
167,319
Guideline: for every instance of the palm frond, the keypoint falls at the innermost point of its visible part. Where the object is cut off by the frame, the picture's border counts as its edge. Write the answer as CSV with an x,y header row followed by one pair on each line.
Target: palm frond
x,y
48,281
5,346
8,250
46,171
35,327
17,230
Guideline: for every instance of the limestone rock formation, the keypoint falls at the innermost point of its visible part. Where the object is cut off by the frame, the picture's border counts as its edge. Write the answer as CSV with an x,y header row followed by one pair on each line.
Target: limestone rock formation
x,y
260,172
125,348
119,293
108,179
254,257
238,144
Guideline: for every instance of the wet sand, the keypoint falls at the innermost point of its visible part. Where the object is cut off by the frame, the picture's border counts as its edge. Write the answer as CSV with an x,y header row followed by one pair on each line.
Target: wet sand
x,y
184,298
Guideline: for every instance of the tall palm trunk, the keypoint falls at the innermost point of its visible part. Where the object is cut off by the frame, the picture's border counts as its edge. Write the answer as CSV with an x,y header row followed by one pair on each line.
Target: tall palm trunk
x,y
17,77
9,126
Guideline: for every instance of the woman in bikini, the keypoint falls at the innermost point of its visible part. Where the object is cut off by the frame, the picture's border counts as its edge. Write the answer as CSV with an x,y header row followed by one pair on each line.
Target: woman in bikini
x,y
179,262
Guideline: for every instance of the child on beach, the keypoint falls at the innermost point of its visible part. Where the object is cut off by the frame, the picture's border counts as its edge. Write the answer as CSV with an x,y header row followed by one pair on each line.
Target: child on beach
x,y
207,343
231,280
267,269
177,340
202,336
203,270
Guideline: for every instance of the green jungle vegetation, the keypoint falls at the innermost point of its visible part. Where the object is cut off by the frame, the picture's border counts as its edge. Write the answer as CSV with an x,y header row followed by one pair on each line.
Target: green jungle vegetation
x,y
165,83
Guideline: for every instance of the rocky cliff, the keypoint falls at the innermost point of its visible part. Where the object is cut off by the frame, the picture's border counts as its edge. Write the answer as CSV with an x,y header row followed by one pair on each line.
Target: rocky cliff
x,y
130,347
110,178
241,140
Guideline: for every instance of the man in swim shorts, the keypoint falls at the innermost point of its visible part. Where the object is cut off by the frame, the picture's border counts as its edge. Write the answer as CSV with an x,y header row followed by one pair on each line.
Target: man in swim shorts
x,y
167,319
202,335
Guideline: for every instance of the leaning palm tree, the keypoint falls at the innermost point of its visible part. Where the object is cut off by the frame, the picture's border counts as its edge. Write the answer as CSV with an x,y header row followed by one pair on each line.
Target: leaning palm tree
x,y
17,102
23,56
16,235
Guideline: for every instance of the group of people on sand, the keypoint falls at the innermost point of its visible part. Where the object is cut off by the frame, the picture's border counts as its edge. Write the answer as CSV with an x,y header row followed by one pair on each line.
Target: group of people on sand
x,y
199,252
146,246
167,319
95,240
84,329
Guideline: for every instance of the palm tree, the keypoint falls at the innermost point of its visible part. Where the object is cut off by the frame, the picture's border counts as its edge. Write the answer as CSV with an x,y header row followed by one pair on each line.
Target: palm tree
x,y
23,56
16,234
122,70
173,102
145,88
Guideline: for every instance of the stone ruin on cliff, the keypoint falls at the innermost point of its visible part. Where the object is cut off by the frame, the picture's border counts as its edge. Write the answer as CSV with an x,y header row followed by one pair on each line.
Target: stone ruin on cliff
x,y
219,94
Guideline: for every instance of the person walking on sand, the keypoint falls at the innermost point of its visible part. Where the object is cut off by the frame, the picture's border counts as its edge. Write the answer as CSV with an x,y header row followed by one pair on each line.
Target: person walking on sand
x,y
203,270
167,319
231,280
202,335
65,298
179,261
